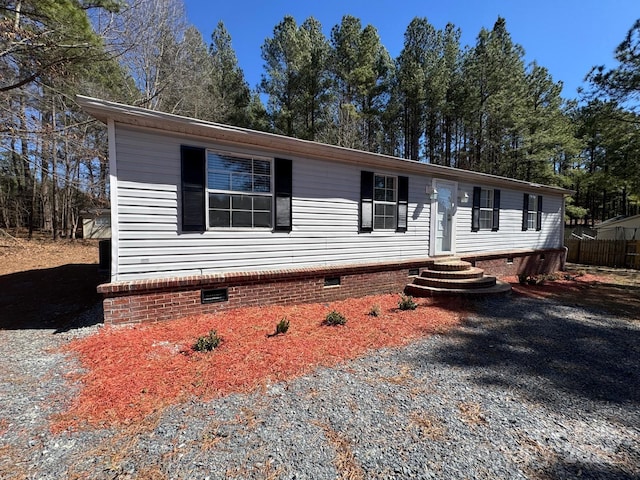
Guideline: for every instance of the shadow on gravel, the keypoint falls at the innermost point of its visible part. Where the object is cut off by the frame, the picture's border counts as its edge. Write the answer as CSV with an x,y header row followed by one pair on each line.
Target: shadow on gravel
x,y
584,470
52,298
548,351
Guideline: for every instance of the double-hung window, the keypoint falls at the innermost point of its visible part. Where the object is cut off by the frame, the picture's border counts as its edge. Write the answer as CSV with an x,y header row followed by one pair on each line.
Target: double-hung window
x,y
240,191
384,202
486,209
532,212
221,190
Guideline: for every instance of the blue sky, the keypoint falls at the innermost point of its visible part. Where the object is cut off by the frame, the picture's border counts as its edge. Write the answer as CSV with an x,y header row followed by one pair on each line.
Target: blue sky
x,y
566,36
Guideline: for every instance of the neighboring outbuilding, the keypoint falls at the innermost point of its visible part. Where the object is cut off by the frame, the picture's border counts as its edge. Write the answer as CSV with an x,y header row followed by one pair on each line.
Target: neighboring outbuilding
x,y
619,228
96,223
208,216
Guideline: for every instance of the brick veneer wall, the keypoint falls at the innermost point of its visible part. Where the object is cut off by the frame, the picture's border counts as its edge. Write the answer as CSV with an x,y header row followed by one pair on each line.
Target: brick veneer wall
x,y
533,262
172,298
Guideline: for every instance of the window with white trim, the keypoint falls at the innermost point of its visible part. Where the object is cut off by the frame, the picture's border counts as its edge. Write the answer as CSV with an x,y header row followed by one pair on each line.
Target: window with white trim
x,y
532,212
486,209
385,188
240,191
485,214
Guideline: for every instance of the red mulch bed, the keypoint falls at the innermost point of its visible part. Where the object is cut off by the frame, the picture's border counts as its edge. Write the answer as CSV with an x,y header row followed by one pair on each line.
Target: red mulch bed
x,y
133,372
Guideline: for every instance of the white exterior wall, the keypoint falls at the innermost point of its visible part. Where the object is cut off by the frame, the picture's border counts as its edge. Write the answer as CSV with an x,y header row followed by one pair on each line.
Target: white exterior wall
x,y
325,206
625,229
510,235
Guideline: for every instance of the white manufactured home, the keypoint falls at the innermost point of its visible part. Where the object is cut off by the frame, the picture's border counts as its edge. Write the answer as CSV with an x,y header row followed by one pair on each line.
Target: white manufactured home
x,y
207,216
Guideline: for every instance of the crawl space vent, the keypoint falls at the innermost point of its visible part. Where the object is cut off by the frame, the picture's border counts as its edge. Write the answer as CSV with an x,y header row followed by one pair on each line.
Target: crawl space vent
x,y
214,296
332,281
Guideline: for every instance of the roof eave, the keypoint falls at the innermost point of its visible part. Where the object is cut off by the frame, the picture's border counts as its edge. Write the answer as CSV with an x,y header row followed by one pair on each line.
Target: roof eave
x,y
278,144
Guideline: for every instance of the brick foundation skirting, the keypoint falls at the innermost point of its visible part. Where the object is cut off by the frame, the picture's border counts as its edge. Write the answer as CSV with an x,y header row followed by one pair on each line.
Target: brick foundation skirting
x,y
533,262
172,298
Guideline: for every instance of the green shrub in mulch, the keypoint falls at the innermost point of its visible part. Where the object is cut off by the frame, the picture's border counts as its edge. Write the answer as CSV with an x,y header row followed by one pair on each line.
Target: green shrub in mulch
x,y
207,343
334,318
406,303
282,327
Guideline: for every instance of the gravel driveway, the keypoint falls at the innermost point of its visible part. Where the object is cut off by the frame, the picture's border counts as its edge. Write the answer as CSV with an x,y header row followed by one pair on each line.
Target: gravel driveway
x,y
525,388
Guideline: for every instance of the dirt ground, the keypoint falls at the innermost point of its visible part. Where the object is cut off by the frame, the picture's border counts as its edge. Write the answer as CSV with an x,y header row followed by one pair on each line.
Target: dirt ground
x,y
618,292
46,284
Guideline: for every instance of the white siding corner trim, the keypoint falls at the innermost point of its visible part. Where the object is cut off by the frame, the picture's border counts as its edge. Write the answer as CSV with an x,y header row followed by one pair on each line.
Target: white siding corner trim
x,y
113,195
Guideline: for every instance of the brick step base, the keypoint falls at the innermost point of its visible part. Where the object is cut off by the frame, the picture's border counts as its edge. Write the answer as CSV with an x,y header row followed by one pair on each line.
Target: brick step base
x,y
500,288
471,272
457,283
450,264
452,276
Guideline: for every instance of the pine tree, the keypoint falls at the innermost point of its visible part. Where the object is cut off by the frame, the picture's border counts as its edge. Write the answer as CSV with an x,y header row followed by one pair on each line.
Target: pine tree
x,y
494,80
284,59
622,83
297,78
229,93
362,72
315,79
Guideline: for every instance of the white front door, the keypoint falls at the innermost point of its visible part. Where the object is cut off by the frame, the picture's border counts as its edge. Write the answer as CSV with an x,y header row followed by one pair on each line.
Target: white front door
x,y
445,210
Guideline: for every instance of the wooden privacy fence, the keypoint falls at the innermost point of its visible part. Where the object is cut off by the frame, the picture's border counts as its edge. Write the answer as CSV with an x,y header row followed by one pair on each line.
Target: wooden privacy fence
x,y
609,253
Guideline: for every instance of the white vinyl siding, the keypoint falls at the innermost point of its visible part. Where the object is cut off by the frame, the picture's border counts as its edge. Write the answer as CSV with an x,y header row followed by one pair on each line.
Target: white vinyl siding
x,y
510,236
325,218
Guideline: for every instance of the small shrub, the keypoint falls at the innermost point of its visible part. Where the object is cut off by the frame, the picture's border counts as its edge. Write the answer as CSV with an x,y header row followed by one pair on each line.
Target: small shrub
x,y
207,343
335,318
282,326
525,279
406,303
375,311
536,279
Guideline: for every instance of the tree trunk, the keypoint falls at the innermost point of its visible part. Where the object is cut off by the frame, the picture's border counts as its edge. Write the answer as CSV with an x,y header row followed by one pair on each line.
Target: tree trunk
x,y
54,175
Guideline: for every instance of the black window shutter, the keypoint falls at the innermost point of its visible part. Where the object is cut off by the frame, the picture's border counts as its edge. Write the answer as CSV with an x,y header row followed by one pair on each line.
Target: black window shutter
x,y
283,194
539,214
525,212
403,204
475,212
192,167
366,201
496,210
